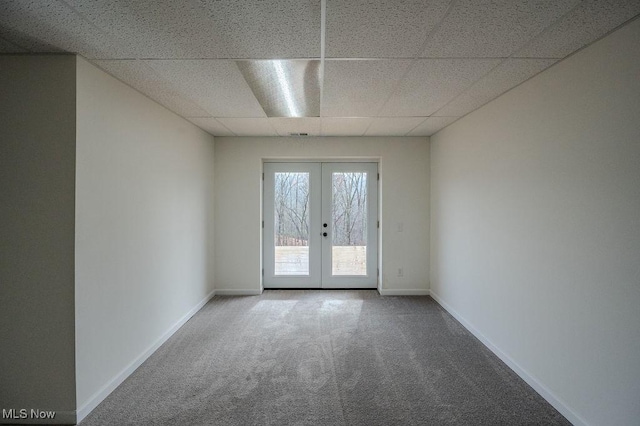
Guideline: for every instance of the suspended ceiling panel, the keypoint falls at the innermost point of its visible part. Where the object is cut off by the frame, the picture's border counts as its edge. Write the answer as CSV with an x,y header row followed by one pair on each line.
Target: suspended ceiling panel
x,y
209,28
431,125
140,76
51,26
296,126
337,126
8,47
432,83
212,126
215,85
380,28
505,76
586,23
273,29
249,126
359,88
393,126
490,28
411,59
152,28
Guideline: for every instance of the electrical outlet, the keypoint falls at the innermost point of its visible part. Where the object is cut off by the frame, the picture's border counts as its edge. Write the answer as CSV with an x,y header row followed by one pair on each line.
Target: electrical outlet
x,y
400,272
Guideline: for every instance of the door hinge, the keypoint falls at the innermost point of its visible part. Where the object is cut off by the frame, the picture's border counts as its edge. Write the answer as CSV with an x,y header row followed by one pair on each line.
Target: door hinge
x,y
378,176
263,272
263,224
378,224
263,176
378,271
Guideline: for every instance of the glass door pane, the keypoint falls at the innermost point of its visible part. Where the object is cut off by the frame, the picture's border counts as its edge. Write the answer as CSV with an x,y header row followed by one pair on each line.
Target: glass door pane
x,y
292,222
349,223
291,227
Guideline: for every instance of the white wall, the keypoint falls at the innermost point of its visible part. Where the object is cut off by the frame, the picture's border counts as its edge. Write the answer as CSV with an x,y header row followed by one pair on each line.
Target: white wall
x,y
37,174
144,222
404,185
535,203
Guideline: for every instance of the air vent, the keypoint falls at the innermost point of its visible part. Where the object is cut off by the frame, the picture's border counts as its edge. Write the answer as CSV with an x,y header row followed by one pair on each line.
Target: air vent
x,y
298,134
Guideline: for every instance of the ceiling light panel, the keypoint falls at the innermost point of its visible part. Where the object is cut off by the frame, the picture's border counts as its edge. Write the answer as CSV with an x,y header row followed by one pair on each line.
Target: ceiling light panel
x,y
211,125
431,125
284,88
215,85
502,78
489,28
432,83
249,126
297,126
380,28
52,27
393,126
143,78
583,25
340,126
359,88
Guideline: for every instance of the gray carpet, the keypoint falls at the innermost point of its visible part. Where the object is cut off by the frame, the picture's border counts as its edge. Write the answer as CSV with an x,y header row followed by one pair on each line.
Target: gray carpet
x,y
323,358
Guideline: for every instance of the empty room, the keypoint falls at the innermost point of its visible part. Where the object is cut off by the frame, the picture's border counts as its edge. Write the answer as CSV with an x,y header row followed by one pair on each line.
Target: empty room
x,y
320,212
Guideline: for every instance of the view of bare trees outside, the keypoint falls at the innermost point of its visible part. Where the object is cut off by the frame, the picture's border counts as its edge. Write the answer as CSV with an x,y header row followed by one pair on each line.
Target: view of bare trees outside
x,y
348,216
349,209
349,220
292,223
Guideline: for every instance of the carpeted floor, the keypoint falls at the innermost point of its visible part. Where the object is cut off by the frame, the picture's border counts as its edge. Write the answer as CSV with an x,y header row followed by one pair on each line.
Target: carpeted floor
x,y
323,358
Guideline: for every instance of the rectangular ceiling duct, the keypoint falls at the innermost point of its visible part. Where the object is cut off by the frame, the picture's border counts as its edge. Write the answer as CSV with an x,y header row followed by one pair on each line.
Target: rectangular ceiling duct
x,y
284,88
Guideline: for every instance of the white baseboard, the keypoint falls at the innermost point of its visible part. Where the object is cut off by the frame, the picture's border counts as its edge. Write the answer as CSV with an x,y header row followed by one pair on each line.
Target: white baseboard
x,y
551,398
238,292
99,396
403,292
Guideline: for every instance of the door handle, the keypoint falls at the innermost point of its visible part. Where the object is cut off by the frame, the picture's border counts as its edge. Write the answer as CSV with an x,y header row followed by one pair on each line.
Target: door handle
x,y
324,234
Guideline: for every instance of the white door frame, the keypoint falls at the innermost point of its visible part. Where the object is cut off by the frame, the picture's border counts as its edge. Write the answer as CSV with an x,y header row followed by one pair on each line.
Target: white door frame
x,y
320,247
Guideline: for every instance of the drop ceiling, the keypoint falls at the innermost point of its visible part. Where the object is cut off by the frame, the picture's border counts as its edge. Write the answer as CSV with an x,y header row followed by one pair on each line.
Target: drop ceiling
x,y
396,67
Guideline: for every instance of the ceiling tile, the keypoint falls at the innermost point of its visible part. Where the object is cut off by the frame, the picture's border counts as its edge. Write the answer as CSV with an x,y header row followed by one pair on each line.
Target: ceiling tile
x,y
379,28
153,28
339,126
585,24
249,126
493,28
392,126
505,76
275,29
359,88
201,29
8,47
140,76
431,125
215,85
286,126
432,83
211,125
51,26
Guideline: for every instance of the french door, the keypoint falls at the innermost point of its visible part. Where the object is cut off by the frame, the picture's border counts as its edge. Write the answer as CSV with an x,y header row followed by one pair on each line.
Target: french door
x,y
320,225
